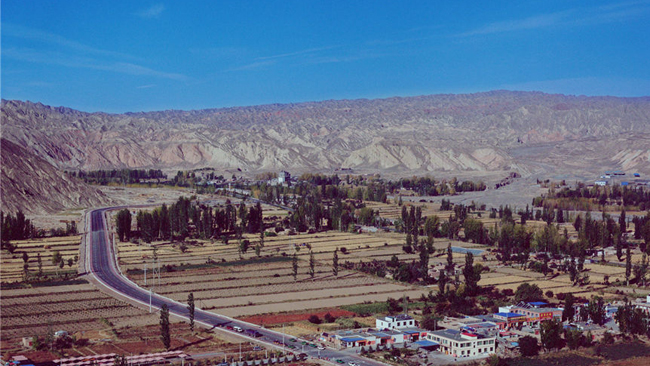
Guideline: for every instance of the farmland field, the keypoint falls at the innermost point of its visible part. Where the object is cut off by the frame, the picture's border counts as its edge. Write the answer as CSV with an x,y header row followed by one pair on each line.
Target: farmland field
x,y
80,307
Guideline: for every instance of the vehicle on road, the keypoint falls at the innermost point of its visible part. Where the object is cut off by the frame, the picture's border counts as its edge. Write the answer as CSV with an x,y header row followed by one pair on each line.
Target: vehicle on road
x,y
352,364
339,361
237,329
321,347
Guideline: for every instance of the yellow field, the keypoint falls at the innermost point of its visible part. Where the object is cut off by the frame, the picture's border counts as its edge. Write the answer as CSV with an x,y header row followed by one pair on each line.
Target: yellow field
x,y
11,265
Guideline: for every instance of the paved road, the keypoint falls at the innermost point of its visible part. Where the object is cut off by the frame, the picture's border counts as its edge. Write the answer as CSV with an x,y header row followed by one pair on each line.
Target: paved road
x,y
101,265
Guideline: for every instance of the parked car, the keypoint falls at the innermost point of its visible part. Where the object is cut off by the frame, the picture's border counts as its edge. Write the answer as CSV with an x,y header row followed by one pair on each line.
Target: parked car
x,y
237,328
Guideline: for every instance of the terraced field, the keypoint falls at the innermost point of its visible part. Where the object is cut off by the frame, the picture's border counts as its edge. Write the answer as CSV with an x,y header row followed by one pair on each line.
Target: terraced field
x,y
81,307
11,265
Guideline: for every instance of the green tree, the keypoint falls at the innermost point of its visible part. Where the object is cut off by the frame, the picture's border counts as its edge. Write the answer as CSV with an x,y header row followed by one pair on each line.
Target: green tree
x,y
574,338
190,309
430,323
631,320
569,312
123,224
527,292
164,326
528,346
551,334
472,274
335,263
628,265
312,271
39,262
450,266
56,258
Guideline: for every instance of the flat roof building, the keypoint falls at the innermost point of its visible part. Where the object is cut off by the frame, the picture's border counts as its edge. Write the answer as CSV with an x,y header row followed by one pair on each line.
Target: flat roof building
x,y
463,343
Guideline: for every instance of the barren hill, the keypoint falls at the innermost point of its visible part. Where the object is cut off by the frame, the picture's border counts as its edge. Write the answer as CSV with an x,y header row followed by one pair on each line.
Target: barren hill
x,y
35,186
527,132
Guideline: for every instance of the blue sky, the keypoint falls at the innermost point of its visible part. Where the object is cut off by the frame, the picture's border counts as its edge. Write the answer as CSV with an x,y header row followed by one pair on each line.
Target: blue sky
x,y
119,56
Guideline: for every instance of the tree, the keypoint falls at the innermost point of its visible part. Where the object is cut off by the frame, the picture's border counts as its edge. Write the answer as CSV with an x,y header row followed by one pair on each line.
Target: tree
x,y
551,334
628,265
123,224
314,319
312,271
329,318
449,267
39,262
335,263
190,309
56,258
472,274
393,306
164,326
294,265
569,312
429,323
631,320
528,346
574,338
527,293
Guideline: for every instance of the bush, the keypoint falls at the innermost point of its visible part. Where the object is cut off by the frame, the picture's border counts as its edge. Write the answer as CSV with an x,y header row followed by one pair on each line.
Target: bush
x,y
528,346
314,319
329,318
561,296
549,294
344,250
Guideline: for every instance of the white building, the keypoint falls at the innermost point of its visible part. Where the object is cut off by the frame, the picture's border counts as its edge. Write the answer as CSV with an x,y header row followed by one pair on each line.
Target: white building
x,y
463,343
395,322
284,177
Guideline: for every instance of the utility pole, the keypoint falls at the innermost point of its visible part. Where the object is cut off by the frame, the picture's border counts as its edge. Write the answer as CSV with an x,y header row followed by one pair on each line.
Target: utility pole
x,y
150,299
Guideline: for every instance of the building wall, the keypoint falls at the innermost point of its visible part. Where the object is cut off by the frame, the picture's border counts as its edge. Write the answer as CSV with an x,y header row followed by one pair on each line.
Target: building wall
x,y
464,347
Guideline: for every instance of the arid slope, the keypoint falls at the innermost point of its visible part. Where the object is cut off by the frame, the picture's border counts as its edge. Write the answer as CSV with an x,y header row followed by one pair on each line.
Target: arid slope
x,y
483,132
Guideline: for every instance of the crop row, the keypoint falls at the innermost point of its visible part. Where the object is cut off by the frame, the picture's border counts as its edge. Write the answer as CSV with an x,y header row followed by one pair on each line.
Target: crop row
x,y
67,316
273,288
54,298
48,307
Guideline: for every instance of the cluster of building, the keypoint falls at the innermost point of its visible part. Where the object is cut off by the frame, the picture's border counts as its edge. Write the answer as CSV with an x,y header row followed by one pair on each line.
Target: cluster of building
x,y
401,330
463,337
618,177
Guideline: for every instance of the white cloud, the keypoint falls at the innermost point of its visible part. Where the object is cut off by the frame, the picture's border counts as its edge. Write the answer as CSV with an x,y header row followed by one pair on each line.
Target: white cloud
x,y
153,11
579,16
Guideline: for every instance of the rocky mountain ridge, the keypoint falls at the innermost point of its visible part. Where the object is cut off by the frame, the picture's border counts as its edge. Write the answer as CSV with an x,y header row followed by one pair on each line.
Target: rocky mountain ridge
x,y
482,132
34,186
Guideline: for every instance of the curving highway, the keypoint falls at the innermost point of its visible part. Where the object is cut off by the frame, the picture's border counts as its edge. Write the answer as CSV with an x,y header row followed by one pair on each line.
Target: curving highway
x,y
100,265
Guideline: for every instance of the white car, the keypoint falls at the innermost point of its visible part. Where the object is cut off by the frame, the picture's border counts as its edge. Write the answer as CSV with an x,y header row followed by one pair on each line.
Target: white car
x,y
352,363
321,348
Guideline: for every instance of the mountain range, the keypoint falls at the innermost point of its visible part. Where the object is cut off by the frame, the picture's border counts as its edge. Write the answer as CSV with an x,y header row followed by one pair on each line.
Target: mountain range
x,y
532,133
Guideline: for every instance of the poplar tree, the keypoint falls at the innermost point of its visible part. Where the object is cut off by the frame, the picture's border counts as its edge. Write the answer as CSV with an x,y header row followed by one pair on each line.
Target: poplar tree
x,y
335,263
164,326
311,264
190,309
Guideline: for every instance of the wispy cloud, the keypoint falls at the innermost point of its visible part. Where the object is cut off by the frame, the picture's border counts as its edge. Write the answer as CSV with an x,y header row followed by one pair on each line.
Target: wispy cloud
x,y
55,58
70,53
252,65
18,31
580,16
315,55
309,51
145,86
153,11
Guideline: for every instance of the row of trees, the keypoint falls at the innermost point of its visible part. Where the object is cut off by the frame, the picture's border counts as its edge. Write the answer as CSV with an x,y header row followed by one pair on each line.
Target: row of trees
x,y
185,218
584,198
